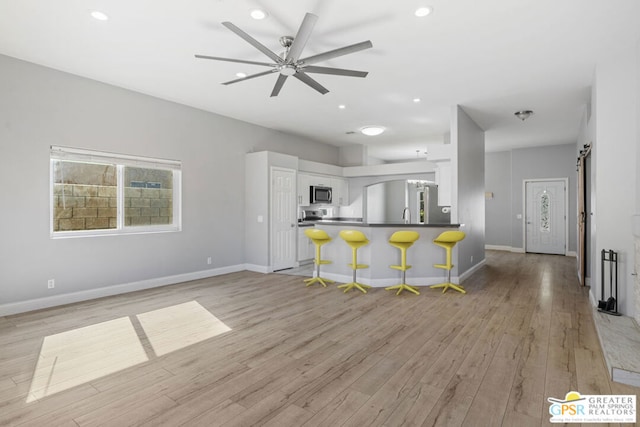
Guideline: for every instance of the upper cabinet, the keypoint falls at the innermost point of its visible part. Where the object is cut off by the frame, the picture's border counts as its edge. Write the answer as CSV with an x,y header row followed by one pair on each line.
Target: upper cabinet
x,y
340,188
339,185
443,179
304,182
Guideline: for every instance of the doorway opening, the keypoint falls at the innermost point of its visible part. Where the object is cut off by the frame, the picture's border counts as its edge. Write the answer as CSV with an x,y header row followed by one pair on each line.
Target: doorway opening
x,y
584,214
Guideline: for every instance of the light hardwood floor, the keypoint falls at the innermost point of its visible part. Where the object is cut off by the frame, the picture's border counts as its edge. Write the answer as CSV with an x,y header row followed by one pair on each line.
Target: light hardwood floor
x,y
248,349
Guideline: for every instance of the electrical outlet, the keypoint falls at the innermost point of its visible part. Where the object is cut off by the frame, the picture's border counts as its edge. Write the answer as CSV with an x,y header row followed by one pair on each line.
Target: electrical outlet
x,y
209,260
51,283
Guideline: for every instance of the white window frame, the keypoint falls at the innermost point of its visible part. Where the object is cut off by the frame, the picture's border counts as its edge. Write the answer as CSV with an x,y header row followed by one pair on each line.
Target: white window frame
x,y
120,161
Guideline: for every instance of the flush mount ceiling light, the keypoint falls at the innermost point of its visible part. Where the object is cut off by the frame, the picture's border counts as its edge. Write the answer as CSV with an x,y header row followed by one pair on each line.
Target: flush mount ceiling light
x,y
342,106
100,16
258,14
423,11
416,100
372,130
523,114
241,75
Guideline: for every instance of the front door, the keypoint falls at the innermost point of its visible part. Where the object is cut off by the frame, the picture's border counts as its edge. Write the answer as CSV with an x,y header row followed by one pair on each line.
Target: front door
x,y
283,219
545,216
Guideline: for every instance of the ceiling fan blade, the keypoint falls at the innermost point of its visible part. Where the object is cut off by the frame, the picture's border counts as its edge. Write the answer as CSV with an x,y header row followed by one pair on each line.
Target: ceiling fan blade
x,y
241,61
252,76
336,52
309,81
253,42
302,37
276,89
335,71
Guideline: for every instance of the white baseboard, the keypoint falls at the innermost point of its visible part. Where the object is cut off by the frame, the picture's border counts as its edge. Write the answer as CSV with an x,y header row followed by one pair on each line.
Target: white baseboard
x,y
56,300
257,268
383,283
504,248
464,276
519,250
498,248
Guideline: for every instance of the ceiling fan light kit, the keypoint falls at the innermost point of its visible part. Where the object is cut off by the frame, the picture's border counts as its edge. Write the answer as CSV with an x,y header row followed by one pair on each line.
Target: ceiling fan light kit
x,y
289,63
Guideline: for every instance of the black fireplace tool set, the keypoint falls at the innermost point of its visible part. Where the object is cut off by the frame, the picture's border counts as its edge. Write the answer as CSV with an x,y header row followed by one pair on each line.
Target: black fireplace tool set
x,y
610,305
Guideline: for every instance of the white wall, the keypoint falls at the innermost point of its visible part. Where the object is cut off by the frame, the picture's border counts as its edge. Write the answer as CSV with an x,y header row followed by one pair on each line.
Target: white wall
x,y
468,170
615,111
498,209
40,107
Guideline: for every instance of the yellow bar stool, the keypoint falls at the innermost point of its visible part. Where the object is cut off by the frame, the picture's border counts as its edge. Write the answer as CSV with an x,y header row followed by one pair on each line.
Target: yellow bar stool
x,y
319,238
355,239
403,240
448,240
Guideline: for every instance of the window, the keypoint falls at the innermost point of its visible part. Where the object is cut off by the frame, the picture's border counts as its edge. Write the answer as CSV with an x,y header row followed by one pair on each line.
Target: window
x,y
95,193
545,224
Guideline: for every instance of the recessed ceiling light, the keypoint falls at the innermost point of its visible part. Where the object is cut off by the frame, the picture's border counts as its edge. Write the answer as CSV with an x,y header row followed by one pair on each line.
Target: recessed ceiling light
x,y
423,11
100,16
416,100
241,75
258,14
342,106
372,130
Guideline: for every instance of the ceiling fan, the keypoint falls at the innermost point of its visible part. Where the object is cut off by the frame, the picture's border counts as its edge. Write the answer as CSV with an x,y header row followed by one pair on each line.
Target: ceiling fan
x,y
290,63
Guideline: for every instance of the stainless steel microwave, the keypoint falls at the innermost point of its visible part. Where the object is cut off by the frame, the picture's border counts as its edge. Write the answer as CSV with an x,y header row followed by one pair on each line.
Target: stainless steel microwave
x,y
320,194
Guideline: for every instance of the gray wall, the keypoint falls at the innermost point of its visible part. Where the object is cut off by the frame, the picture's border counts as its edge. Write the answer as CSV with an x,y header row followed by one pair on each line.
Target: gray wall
x,y
557,161
505,174
498,209
40,107
468,174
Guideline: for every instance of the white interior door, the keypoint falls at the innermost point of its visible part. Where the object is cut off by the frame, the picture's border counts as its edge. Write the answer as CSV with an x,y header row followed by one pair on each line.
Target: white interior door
x,y
545,216
283,219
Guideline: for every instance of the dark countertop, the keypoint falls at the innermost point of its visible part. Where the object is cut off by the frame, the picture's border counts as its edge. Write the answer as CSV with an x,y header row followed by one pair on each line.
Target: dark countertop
x,y
365,224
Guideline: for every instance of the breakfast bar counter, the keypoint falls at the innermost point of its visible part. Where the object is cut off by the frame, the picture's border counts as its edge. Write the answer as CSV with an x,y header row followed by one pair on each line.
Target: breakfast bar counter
x,y
379,254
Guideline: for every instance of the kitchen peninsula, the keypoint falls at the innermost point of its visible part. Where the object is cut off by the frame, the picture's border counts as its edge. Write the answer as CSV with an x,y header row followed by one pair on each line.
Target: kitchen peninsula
x,y
379,254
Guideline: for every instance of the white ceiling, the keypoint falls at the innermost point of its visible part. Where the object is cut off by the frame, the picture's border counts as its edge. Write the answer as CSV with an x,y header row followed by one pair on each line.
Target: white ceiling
x,y
493,57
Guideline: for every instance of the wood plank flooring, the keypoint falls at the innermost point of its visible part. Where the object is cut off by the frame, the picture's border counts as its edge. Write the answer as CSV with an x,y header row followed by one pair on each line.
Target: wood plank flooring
x,y
248,349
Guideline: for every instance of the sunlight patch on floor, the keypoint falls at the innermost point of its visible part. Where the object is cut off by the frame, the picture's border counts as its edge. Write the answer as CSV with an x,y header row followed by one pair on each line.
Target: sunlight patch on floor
x,y
81,355
172,328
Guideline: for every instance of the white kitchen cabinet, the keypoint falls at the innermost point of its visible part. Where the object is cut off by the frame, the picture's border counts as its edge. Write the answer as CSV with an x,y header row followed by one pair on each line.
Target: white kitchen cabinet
x,y
340,188
443,179
306,249
304,182
339,185
320,180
